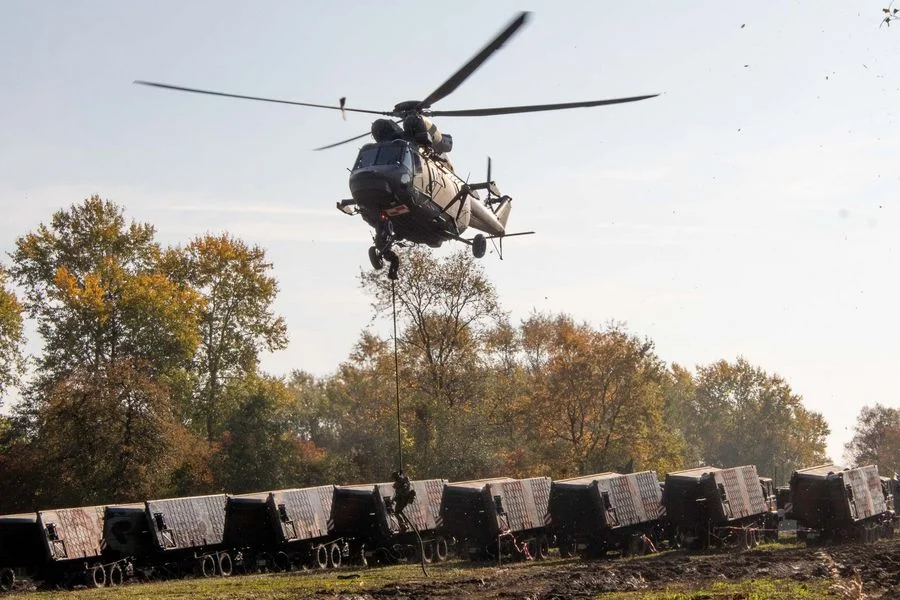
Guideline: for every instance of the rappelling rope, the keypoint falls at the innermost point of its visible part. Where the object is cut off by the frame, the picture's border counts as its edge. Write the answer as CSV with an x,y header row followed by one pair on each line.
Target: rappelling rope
x,y
419,537
397,377
400,514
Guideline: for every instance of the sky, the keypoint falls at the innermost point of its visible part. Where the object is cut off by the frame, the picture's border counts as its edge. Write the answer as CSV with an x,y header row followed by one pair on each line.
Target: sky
x,y
749,210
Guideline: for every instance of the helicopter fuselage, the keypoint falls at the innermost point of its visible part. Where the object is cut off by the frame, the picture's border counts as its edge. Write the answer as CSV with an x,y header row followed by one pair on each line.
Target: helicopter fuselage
x,y
418,192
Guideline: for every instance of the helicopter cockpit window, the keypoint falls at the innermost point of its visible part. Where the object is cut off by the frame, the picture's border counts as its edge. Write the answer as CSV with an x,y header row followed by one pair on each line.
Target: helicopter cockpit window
x,y
406,159
390,154
387,154
366,158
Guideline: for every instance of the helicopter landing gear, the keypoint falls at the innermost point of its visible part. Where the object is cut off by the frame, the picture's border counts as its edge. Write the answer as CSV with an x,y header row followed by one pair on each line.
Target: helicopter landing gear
x,y
479,246
375,258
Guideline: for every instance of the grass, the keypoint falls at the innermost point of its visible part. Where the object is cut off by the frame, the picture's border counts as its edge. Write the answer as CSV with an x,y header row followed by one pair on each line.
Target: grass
x,y
348,581
274,586
282,587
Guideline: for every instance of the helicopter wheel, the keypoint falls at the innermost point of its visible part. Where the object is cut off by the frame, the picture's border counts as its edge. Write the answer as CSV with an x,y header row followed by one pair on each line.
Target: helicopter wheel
x,y
375,258
479,246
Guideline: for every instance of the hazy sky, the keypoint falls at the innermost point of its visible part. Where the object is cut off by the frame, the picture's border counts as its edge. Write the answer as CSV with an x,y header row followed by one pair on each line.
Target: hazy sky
x,y
751,209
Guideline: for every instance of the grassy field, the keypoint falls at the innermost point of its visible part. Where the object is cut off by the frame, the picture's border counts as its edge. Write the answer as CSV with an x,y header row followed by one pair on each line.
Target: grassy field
x,y
443,579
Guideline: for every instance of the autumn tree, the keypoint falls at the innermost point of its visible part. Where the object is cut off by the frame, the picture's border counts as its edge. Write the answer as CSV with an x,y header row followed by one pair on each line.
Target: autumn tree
x,y
444,306
356,421
92,285
11,336
264,445
110,436
680,391
876,439
118,337
742,415
446,310
597,401
317,418
506,385
237,322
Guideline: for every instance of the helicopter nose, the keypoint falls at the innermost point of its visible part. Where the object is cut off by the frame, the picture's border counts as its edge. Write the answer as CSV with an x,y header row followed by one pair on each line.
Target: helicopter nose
x,y
370,180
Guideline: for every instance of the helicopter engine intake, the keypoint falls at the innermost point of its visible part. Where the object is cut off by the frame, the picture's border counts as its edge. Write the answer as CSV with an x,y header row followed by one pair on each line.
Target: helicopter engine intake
x,y
423,131
385,130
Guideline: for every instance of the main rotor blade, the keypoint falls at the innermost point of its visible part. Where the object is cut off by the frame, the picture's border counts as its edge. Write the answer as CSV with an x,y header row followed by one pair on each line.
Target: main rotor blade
x,y
476,61
211,93
509,110
358,137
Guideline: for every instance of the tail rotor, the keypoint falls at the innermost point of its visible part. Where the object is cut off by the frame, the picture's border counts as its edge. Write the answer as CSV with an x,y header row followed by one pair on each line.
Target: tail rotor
x,y
498,204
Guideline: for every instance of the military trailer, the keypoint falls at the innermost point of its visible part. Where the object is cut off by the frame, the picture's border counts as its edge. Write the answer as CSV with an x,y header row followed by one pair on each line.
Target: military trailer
x,y
187,535
895,491
890,502
282,529
365,515
593,514
56,547
833,503
21,549
772,519
709,506
126,532
500,517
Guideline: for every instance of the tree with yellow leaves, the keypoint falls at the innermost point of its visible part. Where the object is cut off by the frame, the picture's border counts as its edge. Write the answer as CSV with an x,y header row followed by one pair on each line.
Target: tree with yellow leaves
x,y
597,399
118,334
11,336
93,285
236,318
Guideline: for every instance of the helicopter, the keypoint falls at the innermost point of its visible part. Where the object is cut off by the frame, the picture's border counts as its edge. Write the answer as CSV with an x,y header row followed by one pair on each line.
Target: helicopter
x,y
405,186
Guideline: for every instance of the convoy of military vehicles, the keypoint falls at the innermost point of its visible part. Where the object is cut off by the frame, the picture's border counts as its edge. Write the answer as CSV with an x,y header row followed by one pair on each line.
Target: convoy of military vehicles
x,y
498,519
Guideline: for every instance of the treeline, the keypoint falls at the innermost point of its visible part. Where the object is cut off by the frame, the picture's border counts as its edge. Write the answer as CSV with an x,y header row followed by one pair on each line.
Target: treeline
x,y
148,384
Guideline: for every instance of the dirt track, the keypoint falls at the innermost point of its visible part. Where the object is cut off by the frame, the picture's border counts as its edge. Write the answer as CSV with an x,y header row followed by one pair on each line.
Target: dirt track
x,y
878,565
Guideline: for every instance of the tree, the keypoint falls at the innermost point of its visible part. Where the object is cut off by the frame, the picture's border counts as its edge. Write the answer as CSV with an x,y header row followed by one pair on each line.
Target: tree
x,y
262,447
444,307
105,435
597,401
361,417
680,391
742,415
876,439
118,337
237,321
11,337
447,311
92,284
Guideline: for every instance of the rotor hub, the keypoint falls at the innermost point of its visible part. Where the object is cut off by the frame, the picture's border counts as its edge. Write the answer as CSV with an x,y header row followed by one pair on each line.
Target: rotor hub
x,y
402,109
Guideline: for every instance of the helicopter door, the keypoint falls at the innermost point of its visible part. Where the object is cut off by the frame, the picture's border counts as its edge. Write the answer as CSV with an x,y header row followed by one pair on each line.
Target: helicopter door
x,y
421,177
437,182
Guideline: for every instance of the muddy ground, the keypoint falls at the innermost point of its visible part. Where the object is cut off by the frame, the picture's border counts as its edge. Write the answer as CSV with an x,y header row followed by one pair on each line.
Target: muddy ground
x,y
877,565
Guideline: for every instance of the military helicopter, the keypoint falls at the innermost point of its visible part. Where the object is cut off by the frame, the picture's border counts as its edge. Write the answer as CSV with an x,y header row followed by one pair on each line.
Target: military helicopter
x,y
404,184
